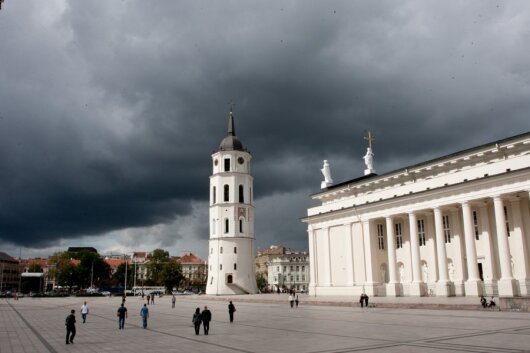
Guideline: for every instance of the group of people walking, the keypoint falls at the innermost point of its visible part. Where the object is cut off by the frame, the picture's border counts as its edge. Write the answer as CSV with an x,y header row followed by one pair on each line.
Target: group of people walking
x,y
363,300
70,321
205,317
199,318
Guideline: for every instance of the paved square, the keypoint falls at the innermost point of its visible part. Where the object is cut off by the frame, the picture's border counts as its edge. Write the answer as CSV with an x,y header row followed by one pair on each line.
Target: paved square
x,y
37,325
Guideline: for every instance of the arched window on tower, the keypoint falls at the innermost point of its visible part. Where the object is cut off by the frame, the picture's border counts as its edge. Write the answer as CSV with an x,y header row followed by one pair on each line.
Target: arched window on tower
x,y
214,195
226,193
241,194
241,229
226,225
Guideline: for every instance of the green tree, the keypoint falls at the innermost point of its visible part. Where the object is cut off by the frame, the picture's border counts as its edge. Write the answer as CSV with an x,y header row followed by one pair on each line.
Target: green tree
x,y
155,266
118,278
92,269
35,267
171,274
57,263
68,276
261,281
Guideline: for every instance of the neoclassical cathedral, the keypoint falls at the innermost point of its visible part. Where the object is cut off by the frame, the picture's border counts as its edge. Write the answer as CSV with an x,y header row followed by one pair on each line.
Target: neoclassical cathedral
x,y
232,248
455,225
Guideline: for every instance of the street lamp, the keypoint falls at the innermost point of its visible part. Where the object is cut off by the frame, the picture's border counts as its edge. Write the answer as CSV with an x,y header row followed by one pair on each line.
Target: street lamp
x,y
125,290
92,275
134,259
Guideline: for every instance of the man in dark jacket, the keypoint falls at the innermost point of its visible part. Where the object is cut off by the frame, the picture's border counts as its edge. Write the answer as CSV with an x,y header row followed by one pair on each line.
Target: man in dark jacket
x,y
206,318
231,309
70,327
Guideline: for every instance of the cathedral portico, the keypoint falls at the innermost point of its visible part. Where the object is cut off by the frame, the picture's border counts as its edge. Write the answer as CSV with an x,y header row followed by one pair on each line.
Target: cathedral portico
x,y
458,225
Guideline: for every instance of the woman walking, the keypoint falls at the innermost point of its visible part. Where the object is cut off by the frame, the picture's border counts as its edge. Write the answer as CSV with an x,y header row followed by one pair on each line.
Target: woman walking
x,y
197,319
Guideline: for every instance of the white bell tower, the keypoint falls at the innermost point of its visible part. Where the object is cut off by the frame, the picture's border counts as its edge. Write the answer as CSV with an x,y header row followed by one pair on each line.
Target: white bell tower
x,y
231,253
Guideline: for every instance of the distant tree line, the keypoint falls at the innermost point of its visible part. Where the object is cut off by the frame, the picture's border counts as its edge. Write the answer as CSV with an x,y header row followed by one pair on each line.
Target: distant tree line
x,y
93,270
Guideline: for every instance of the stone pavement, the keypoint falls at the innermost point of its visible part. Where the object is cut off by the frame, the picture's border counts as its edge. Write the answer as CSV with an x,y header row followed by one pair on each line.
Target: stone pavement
x,y
263,323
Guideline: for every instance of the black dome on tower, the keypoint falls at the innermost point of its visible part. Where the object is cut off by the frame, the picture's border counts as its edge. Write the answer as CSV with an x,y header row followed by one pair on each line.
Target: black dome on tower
x,y
231,142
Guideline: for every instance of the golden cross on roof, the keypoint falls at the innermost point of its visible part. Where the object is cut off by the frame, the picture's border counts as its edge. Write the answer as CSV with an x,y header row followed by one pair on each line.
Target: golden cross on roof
x,y
370,138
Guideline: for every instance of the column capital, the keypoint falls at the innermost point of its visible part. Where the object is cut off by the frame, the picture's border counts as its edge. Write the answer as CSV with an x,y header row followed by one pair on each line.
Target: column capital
x,y
437,209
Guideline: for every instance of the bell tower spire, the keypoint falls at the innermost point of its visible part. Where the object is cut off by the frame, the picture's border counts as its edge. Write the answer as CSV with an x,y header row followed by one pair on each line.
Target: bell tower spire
x,y
231,126
231,253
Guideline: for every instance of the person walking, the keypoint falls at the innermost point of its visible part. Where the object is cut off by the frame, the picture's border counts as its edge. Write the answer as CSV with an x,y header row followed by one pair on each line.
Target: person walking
x,y
231,311
296,301
173,300
197,320
153,298
84,311
144,313
148,298
291,300
122,315
70,327
206,318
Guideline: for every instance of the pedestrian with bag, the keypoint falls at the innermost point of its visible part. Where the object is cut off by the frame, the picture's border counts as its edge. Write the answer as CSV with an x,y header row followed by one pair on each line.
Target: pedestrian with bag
x,y
197,319
121,314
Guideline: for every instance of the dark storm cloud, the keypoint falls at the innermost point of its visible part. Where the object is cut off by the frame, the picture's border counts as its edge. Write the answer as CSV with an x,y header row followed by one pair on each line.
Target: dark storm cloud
x,y
109,111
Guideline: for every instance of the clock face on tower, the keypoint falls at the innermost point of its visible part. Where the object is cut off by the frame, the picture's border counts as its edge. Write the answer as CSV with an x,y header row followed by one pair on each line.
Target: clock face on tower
x,y
240,160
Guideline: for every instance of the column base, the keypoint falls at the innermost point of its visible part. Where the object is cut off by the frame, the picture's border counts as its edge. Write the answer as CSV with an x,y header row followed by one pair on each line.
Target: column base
x,y
473,288
312,290
370,289
416,289
524,287
393,289
445,289
507,287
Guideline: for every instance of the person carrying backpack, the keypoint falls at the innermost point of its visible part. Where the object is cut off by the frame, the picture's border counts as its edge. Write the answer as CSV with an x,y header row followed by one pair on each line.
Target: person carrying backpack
x,y
197,319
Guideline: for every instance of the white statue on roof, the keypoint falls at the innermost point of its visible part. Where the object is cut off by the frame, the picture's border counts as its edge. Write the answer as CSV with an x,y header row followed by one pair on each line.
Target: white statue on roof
x,y
369,157
326,171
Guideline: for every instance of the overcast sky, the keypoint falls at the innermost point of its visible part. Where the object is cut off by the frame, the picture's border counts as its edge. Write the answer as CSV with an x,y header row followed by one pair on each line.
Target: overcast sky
x,y
110,110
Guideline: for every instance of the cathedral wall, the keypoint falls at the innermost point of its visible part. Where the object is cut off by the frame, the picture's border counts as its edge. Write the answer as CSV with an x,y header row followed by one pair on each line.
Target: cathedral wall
x,y
359,267
339,241
322,253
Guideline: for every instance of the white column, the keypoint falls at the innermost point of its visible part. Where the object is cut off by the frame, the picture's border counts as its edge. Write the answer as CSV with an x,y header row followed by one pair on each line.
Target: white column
x,y
520,251
443,286
330,273
506,284
392,288
473,284
326,269
415,286
370,260
489,266
350,276
312,262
